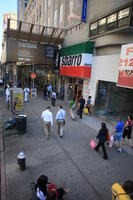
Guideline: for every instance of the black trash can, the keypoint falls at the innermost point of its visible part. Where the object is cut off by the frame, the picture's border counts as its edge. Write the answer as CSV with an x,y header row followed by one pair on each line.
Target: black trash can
x,y
21,124
21,160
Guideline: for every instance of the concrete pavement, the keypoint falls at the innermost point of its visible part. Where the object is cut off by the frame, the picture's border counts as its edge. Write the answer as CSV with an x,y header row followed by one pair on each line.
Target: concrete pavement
x,y
68,161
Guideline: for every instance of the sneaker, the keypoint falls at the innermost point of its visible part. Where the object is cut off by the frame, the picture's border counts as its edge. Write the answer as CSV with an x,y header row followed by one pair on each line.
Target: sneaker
x,y
119,150
105,157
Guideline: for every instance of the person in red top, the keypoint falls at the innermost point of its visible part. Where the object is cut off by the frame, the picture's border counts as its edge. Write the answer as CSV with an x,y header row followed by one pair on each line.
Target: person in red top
x,y
128,131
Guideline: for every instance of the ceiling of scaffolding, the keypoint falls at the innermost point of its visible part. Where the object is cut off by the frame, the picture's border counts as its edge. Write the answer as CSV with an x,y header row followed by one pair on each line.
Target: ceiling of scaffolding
x,y
31,32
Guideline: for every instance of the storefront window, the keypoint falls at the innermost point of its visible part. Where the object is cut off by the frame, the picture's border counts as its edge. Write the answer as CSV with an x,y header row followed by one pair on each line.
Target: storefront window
x,y
113,101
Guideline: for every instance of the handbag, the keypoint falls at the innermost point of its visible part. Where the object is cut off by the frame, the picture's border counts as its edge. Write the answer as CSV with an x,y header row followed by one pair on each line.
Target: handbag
x,y
64,122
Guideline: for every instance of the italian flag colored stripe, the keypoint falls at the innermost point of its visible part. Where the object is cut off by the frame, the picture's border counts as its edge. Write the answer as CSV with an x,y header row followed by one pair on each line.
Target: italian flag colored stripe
x,y
76,71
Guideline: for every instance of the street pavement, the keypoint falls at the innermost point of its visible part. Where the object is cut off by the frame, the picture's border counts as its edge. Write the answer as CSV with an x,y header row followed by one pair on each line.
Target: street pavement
x,y
67,161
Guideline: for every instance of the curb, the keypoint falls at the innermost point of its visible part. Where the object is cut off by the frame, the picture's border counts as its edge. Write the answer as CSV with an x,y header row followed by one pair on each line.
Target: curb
x,y
2,162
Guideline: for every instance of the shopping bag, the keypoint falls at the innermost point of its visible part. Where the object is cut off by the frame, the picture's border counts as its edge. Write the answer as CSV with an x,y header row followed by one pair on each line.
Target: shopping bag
x,y
111,141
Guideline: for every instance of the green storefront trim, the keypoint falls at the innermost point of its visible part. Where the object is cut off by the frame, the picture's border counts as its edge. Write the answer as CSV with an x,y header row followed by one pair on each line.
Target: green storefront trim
x,y
85,47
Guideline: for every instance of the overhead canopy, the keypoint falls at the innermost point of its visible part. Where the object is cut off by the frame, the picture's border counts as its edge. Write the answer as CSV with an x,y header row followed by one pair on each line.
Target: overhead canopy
x,y
30,43
31,32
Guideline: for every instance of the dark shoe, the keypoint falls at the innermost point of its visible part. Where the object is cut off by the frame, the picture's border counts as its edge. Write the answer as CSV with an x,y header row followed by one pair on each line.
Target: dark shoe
x,y
60,136
105,157
96,149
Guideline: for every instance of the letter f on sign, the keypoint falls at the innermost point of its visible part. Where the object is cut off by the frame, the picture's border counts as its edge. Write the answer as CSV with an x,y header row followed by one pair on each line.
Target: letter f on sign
x,y
129,50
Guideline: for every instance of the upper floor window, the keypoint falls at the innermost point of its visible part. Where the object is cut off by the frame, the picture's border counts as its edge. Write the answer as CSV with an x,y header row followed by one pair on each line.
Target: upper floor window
x,y
93,26
113,21
61,14
123,13
111,18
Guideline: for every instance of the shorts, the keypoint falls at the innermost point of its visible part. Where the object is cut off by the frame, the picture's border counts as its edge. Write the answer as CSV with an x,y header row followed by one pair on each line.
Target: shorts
x,y
118,136
127,133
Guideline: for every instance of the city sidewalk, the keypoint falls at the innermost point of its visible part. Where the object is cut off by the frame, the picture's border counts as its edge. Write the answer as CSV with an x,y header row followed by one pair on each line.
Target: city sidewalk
x,y
68,161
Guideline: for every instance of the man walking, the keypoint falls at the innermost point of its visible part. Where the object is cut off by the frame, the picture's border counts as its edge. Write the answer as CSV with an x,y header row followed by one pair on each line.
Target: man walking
x,y
118,132
60,118
47,118
81,106
53,99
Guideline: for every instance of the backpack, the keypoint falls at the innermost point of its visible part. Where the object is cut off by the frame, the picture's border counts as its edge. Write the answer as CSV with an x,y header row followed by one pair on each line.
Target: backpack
x,y
53,187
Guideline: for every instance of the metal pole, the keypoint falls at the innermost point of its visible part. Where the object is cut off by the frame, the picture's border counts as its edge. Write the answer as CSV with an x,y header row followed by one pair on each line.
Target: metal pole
x,y
33,78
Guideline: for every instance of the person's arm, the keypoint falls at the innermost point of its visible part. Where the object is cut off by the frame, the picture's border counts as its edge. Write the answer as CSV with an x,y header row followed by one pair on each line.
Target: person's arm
x,y
56,116
51,119
98,135
127,123
42,115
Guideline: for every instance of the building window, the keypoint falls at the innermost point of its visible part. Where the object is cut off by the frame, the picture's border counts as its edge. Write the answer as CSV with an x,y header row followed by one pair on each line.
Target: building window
x,y
123,13
123,17
93,28
61,14
113,21
55,18
102,25
40,11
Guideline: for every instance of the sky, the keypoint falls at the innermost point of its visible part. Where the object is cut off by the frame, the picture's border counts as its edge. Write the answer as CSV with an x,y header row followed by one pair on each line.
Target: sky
x,y
6,6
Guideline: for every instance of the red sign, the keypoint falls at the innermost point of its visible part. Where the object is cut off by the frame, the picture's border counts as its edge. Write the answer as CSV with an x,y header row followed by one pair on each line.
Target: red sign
x,y
33,75
125,78
76,71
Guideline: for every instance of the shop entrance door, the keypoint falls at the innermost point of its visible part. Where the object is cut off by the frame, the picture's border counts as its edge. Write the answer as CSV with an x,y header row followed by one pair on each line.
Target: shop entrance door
x,y
74,91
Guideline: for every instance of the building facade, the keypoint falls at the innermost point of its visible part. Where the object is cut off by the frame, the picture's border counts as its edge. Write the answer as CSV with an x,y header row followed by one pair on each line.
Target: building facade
x,y
21,6
109,27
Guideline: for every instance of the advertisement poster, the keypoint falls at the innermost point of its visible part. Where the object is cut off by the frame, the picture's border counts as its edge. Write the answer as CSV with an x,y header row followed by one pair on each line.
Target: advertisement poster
x,y
16,99
86,89
19,104
125,77
73,12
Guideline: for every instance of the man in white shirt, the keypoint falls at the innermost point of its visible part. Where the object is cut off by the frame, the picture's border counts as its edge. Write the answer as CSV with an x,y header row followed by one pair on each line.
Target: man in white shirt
x,y
53,98
8,95
26,94
47,118
60,118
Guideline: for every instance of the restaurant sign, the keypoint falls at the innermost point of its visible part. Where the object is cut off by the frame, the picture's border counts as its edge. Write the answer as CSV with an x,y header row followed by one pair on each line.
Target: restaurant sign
x,y
125,77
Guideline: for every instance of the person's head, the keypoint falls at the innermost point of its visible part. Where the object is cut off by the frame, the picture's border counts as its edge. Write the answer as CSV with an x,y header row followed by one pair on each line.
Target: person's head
x,y
48,108
42,181
60,106
103,125
128,186
130,117
89,97
118,118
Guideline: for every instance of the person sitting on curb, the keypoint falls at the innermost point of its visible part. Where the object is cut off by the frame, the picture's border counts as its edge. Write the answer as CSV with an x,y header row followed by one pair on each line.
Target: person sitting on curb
x,y
49,191
124,192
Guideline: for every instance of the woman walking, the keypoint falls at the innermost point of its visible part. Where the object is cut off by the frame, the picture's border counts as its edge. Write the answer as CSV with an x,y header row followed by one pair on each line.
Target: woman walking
x,y
102,136
128,131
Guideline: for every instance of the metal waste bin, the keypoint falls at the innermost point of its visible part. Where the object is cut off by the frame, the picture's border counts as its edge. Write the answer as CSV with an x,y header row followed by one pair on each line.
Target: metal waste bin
x,y
21,160
21,124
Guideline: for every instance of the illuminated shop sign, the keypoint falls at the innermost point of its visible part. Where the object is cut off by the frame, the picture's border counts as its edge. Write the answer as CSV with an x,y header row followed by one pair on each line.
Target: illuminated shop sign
x,y
125,77
76,60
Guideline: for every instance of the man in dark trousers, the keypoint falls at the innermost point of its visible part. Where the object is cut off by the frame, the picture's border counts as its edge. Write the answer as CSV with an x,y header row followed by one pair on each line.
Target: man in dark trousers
x,y
81,106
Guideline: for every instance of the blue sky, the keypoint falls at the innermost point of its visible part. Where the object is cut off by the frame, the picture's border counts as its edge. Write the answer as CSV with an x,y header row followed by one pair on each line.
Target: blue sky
x,y
6,6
